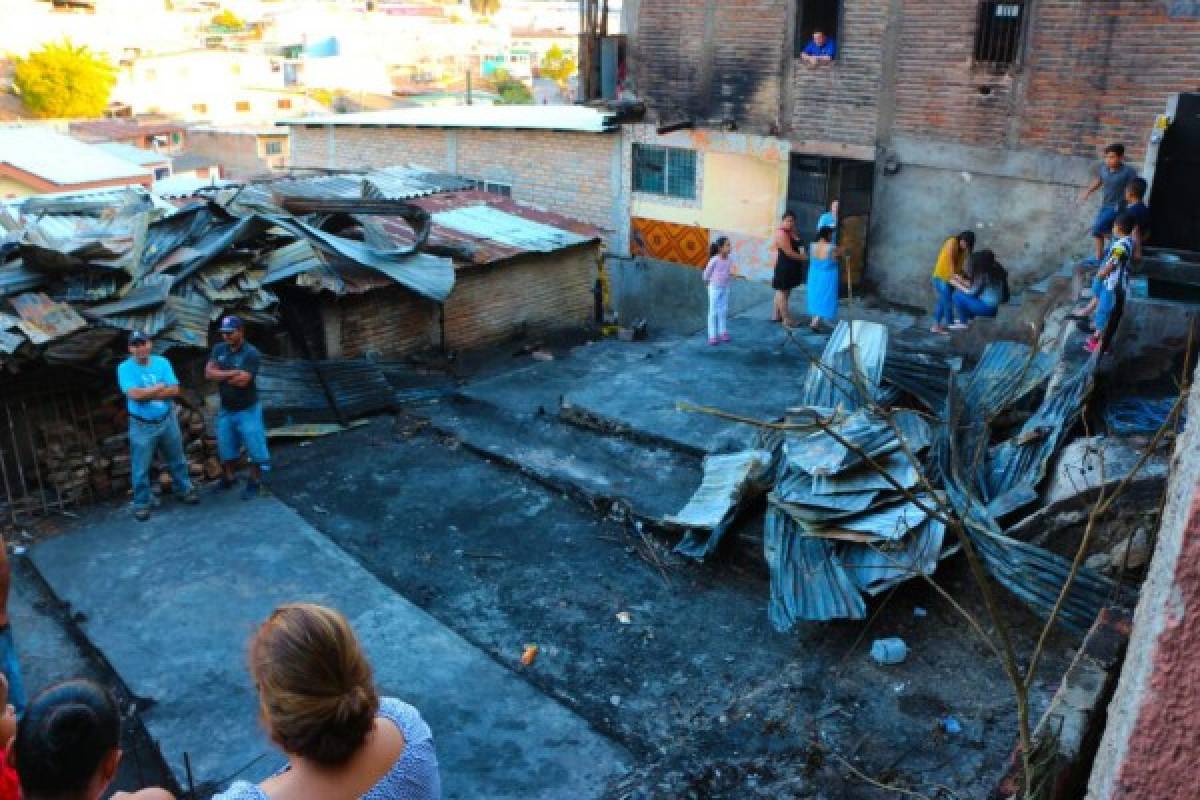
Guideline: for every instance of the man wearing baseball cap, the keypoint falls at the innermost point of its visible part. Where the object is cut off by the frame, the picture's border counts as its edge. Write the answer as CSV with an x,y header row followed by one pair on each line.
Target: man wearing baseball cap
x,y
150,387
233,365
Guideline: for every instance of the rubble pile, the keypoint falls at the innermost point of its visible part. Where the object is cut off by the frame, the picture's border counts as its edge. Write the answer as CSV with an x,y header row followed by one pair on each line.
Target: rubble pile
x,y
862,489
78,271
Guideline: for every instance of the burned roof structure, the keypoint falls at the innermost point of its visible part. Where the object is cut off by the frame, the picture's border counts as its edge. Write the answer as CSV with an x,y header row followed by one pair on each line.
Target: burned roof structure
x,y
78,270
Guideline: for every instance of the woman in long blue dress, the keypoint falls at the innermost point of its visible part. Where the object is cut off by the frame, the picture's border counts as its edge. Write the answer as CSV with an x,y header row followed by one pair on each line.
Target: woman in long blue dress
x,y
822,279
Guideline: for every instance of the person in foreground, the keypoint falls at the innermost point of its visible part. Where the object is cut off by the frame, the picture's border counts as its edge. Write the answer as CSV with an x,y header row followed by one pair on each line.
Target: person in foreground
x,y
318,703
66,746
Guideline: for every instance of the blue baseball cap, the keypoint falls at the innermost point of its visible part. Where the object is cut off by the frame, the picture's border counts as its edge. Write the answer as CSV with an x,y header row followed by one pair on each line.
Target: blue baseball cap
x,y
137,337
230,324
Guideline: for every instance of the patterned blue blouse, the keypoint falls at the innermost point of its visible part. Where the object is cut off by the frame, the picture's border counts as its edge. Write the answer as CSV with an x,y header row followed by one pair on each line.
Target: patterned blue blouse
x,y
414,776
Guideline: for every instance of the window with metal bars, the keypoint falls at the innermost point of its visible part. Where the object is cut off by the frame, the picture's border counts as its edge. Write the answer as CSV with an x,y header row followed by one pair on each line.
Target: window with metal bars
x,y
669,171
999,33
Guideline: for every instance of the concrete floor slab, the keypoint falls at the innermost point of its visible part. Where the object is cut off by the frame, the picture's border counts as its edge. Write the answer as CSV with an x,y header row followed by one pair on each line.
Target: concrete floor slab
x,y
651,481
171,602
758,375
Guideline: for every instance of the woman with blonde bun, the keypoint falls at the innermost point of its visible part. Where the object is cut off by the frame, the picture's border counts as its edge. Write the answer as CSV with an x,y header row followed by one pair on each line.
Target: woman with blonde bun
x,y
318,703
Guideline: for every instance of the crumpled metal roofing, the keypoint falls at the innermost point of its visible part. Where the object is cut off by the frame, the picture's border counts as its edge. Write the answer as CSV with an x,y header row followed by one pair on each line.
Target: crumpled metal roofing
x,y
388,183
853,360
1006,373
728,479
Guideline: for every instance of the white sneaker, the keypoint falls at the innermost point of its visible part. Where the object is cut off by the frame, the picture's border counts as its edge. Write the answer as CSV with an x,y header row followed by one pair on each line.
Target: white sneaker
x,y
958,326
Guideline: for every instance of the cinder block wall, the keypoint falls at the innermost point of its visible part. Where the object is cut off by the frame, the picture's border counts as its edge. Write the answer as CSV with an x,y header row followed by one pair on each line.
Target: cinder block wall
x,y
574,174
533,293
1151,744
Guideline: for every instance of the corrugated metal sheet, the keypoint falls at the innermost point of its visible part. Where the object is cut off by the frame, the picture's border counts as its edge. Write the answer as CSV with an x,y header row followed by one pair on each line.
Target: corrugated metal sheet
x,y
520,233
875,568
729,479
389,183
852,363
151,293
295,392
44,320
808,581
428,276
1006,373
15,278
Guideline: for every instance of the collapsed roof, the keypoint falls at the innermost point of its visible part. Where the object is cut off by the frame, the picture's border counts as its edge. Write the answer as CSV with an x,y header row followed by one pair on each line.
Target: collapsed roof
x,y
77,270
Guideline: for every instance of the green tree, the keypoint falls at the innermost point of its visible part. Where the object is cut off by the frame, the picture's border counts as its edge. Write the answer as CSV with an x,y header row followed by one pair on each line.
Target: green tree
x,y
557,65
512,92
228,20
62,80
486,7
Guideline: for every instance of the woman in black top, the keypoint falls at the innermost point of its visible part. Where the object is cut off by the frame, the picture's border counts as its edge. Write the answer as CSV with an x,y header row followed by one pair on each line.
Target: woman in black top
x,y
789,268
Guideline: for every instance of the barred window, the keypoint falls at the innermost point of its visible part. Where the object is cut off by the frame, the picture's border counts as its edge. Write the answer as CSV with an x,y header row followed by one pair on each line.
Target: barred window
x,y
669,171
998,36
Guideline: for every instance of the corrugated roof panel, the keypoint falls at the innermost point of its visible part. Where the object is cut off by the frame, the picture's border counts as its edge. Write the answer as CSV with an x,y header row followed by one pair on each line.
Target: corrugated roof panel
x,y
15,278
509,229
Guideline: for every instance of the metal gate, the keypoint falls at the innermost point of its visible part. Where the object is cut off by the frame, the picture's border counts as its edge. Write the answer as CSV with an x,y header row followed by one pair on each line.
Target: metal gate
x,y
50,456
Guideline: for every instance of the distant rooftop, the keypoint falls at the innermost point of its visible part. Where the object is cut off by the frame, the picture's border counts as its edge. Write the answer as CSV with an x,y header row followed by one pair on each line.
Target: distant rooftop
x,y
264,129
550,118
116,128
61,159
189,161
134,155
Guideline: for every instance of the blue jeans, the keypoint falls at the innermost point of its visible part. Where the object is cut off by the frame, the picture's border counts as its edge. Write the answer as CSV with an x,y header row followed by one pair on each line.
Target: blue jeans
x,y
236,429
967,307
1105,217
1106,301
144,439
12,670
943,310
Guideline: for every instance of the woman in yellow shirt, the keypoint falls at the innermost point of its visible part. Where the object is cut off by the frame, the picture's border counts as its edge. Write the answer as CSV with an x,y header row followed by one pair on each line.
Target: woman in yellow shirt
x,y
950,262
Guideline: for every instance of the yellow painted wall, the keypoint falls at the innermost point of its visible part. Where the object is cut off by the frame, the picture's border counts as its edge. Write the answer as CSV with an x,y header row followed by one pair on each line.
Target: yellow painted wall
x,y
10,188
740,194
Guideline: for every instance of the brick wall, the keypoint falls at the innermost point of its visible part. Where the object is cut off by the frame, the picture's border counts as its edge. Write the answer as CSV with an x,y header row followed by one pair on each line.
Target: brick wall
x,y
841,103
236,153
713,60
1100,72
1093,72
391,321
536,292
568,173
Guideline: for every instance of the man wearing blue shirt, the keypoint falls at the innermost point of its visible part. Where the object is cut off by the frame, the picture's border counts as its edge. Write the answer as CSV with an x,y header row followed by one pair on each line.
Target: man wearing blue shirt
x,y
150,386
820,52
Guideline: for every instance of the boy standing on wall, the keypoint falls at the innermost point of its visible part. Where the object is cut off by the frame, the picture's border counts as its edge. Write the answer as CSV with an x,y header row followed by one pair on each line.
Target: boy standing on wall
x,y
1113,176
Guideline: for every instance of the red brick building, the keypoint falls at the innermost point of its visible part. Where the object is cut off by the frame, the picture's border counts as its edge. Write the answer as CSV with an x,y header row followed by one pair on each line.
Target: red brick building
x,y
934,116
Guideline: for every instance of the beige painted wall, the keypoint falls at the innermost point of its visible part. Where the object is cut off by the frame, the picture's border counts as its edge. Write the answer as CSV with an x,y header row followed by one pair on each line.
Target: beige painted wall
x,y
10,188
738,194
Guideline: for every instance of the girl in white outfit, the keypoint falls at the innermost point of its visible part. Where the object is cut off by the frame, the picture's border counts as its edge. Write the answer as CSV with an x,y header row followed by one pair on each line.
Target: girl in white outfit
x,y
718,275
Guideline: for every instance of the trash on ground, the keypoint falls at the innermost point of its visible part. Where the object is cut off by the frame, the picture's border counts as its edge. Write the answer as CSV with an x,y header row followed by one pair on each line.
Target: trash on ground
x,y
889,651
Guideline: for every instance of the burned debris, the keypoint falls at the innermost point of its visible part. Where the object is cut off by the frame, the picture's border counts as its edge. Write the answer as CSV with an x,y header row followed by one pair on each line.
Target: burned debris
x,y
862,486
